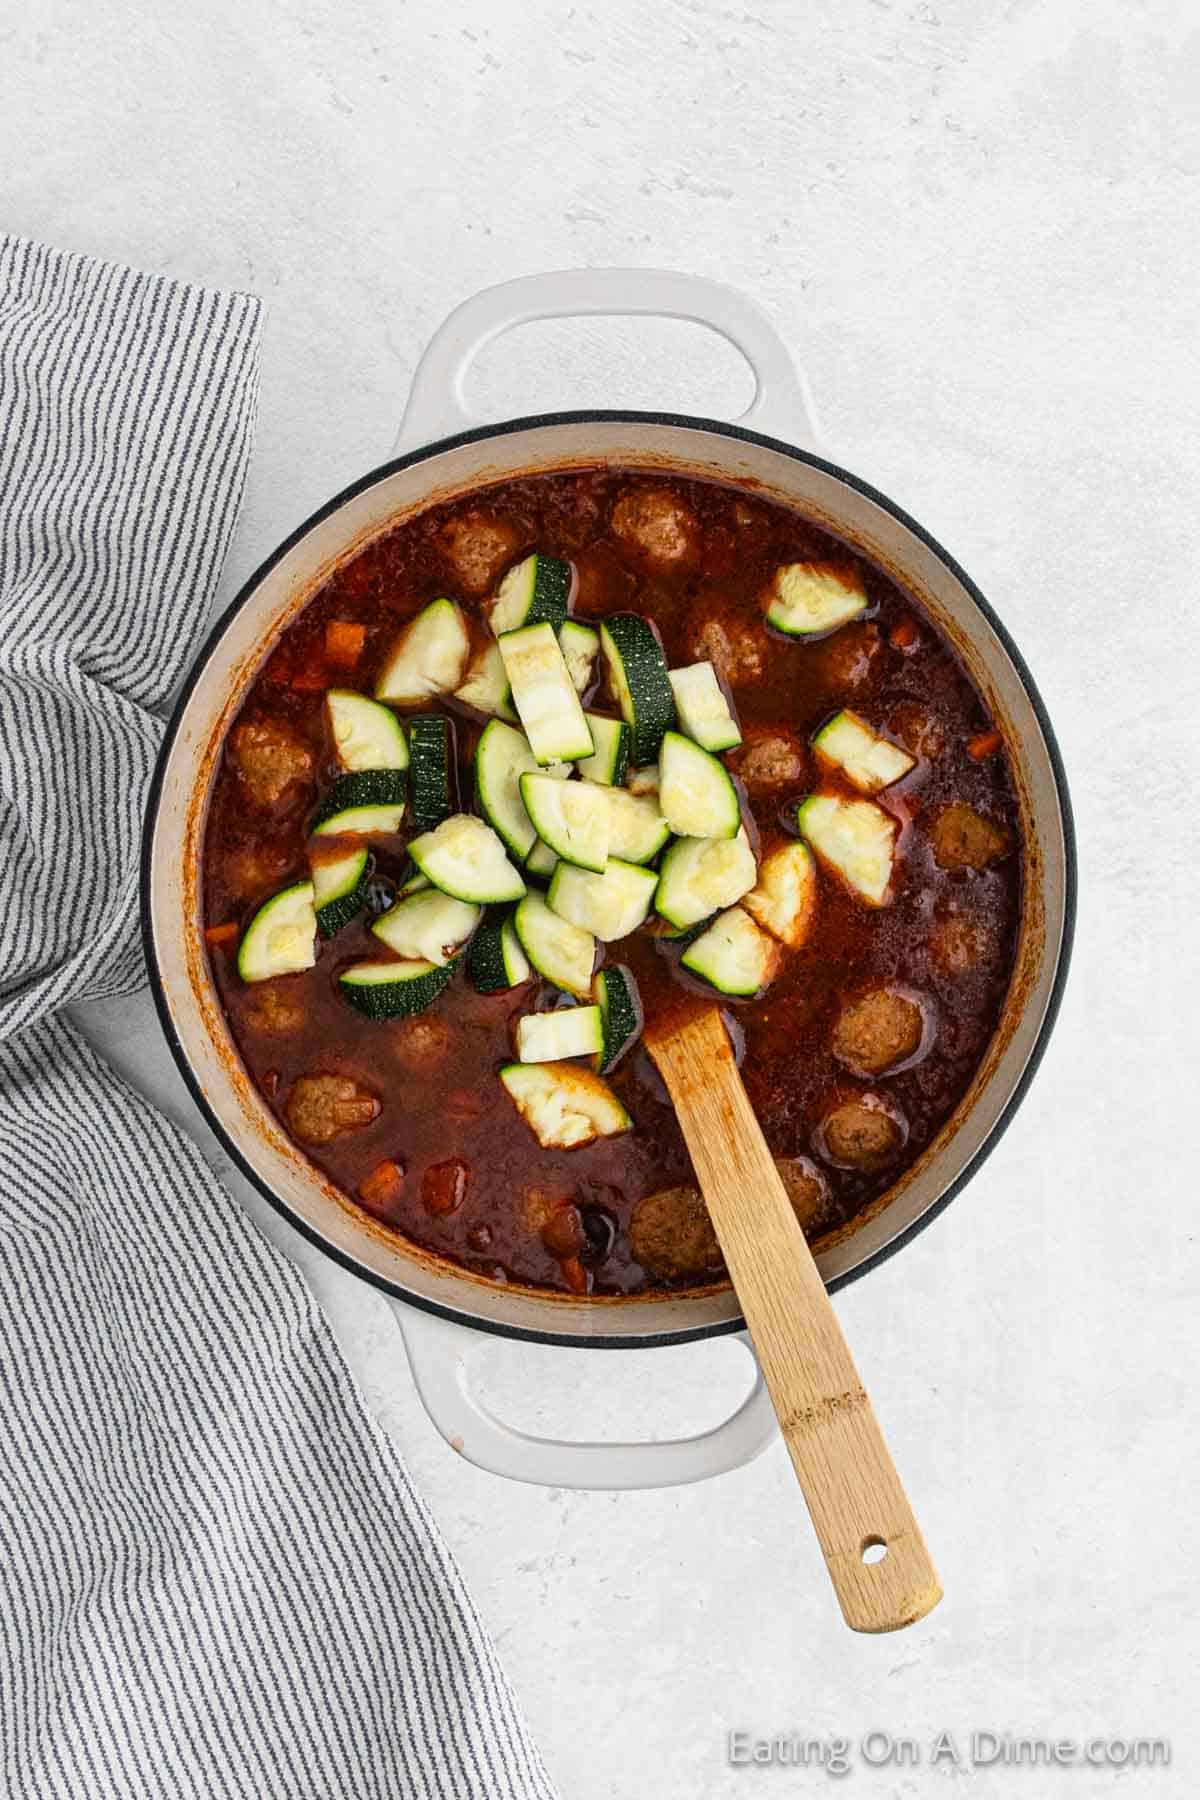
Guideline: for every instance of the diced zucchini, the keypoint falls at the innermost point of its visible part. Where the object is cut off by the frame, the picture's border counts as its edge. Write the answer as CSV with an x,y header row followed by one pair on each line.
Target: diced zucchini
x,y
431,740
807,598
572,817
537,589
541,861
502,756
544,695
868,761
784,898
580,645
339,887
700,876
429,657
643,781
464,857
564,1107
486,686
703,708
621,1016
281,938
637,675
365,734
428,927
855,838
392,990
554,1036
369,803
610,905
413,884
611,757
496,960
696,795
734,955
637,830
558,950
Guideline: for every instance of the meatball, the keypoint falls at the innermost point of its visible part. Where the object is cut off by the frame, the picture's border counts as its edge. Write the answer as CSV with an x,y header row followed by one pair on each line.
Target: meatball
x,y
964,839
421,1041
852,659
252,871
960,943
275,1010
321,1107
875,1033
672,1235
920,731
862,1133
769,757
736,652
807,1190
477,548
269,757
657,525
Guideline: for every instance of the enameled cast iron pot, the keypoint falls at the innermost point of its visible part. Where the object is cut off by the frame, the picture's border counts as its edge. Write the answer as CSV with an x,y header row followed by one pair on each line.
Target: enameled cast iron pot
x,y
435,1300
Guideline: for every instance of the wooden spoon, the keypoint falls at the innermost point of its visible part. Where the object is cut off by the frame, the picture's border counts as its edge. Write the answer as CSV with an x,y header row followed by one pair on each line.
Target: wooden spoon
x,y
871,1542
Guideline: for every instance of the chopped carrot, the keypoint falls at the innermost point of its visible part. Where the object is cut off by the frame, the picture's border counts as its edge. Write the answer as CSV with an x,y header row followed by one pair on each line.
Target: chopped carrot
x,y
311,678
575,1275
218,936
983,745
904,635
384,1186
344,642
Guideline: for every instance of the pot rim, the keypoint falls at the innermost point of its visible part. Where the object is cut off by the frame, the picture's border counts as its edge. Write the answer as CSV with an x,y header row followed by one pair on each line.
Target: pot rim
x,y
506,428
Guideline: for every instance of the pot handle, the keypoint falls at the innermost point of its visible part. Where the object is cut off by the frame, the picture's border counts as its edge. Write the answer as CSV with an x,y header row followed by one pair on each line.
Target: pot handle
x,y
439,1356
782,404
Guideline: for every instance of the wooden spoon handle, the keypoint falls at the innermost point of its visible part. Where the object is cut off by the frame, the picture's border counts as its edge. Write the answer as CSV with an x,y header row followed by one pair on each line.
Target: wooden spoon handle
x,y
854,1495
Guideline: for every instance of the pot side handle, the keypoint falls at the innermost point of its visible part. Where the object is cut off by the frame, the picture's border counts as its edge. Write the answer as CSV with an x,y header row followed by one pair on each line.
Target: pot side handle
x,y
439,1355
782,405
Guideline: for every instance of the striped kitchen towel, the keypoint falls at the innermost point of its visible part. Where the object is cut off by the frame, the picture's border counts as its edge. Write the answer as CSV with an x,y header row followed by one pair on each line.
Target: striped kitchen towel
x,y
215,1578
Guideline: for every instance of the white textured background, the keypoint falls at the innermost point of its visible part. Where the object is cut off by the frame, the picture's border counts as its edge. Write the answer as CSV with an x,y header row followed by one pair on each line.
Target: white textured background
x,y
976,225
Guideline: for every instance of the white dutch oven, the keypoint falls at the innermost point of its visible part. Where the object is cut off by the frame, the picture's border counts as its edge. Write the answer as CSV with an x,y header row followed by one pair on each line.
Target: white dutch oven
x,y
441,1307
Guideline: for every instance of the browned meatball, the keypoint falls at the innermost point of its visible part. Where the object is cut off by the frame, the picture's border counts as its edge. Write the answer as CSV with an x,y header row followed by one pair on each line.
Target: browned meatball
x,y
321,1107
920,731
655,524
964,839
808,1192
420,1042
736,652
862,1133
852,659
769,757
276,1009
960,943
269,757
477,548
672,1235
877,1032
252,871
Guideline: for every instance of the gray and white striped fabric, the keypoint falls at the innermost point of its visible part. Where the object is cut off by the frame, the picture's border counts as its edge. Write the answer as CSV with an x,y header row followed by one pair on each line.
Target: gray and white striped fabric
x,y
215,1578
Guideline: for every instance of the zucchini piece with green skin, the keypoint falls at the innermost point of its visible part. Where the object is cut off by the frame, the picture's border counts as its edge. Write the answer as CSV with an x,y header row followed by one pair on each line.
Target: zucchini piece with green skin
x,y
784,898
869,762
610,905
281,938
621,1016
413,884
393,990
703,707
464,858
560,952
609,761
854,838
637,676
807,599
555,1036
428,927
339,888
572,817
496,961
696,795
369,803
580,645
564,1107
701,876
486,686
534,591
544,695
541,861
429,657
637,830
431,752
365,734
734,956
502,756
